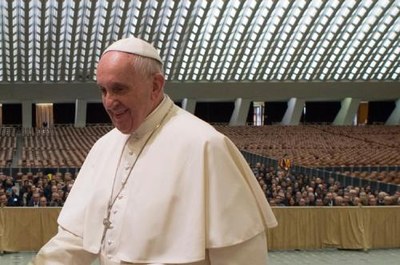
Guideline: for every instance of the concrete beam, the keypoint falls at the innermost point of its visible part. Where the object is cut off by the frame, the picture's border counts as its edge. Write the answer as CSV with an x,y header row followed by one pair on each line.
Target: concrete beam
x,y
347,112
240,112
80,113
27,114
189,104
394,118
204,91
293,112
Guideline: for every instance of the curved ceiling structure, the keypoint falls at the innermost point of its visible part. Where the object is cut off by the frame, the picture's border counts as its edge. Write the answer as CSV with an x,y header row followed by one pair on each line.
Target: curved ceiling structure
x,y
318,49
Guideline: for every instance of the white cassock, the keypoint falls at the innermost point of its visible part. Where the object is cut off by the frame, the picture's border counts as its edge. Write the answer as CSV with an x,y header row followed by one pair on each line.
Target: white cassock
x,y
191,198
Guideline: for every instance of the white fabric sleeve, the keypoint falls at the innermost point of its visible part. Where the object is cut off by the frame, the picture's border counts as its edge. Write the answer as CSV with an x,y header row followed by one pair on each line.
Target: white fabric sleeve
x,y
63,248
253,251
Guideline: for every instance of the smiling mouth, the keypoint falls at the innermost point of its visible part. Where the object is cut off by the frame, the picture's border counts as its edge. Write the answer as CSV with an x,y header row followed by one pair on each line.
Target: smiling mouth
x,y
119,114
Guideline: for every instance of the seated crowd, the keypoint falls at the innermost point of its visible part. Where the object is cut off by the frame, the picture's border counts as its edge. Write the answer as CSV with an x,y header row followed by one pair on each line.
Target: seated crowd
x,y
285,188
281,187
35,190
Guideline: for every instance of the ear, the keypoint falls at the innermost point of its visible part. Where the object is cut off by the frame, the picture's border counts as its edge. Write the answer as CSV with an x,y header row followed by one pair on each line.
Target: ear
x,y
158,85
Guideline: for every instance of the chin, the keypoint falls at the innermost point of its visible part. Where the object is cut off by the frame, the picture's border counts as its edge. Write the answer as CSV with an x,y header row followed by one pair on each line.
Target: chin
x,y
120,128
123,130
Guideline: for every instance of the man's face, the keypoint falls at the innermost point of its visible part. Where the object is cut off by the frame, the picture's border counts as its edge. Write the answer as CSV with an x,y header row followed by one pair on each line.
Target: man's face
x,y
127,95
36,197
3,199
43,202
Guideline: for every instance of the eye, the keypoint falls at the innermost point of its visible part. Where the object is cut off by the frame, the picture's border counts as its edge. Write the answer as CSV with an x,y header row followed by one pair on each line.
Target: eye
x,y
103,91
118,90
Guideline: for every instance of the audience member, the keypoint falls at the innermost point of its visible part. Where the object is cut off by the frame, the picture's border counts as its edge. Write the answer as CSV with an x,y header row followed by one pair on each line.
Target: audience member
x,y
290,189
43,201
35,200
56,200
3,199
280,187
372,200
13,197
285,163
319,202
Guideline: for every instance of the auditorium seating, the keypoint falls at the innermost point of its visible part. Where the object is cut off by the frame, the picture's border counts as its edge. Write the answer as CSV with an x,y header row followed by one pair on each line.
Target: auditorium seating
x,y
60,146
306,145
321,145
383,176
8,145
325,146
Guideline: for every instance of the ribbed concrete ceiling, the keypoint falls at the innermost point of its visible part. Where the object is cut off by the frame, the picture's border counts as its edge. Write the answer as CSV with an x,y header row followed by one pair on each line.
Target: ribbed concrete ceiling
x,y
51,41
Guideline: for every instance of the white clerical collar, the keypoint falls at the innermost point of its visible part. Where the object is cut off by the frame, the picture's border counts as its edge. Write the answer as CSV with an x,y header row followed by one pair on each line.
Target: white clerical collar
x,y
153,118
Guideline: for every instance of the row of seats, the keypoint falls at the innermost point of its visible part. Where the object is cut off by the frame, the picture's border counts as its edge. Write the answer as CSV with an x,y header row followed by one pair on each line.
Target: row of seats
x,y
321,145
8,145
60,146
8,131
6,156
307,145
382,176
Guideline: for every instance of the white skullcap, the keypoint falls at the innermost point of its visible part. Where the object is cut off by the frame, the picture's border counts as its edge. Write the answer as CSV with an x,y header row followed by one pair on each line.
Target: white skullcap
x,y
135,46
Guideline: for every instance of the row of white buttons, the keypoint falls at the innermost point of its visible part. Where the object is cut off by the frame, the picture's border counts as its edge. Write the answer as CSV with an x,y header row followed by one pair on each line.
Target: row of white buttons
x,y
128,160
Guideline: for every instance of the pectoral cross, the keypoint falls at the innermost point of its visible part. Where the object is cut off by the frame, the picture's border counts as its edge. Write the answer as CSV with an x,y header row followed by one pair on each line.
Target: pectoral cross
x,y
107,223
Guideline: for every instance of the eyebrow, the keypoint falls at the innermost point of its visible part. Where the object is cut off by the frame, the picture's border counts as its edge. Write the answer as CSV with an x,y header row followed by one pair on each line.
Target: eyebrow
x,y
114,84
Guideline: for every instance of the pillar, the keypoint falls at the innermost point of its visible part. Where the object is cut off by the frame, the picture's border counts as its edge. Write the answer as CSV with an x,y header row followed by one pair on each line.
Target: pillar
x,y
394,118
240,112
189,105
80,113
347,112
293,112
27,114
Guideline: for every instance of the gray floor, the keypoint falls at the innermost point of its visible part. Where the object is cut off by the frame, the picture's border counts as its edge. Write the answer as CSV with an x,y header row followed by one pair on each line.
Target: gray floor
x,y
334,257
325,257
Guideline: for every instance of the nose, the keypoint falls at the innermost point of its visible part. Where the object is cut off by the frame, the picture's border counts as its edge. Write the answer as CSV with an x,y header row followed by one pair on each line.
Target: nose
x,y
108,100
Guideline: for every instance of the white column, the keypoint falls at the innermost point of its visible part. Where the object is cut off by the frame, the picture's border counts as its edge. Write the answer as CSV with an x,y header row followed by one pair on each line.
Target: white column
x,y
189,105
80,112
347,112
394,118
27,114
240,112
293,112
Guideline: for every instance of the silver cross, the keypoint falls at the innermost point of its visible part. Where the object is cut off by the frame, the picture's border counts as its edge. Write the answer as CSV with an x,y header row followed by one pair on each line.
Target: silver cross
x,y
107,223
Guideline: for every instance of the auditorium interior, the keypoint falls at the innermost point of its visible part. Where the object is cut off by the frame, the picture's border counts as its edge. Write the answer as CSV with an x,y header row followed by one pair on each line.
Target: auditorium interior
x,y
315,82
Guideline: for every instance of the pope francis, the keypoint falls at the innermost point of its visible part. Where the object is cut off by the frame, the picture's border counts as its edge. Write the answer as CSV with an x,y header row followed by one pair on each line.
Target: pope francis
x,y
162,187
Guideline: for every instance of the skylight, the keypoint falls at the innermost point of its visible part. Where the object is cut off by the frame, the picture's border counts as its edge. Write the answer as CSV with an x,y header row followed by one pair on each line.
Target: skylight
x,y
62,41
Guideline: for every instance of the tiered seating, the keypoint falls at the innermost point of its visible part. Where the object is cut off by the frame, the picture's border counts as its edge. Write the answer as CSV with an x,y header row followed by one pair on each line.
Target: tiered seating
x,y
323,145
383,176
8,145
307,145
62,146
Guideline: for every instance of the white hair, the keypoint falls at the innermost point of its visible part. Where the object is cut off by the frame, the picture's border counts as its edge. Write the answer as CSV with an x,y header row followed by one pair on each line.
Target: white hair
x,y
146,66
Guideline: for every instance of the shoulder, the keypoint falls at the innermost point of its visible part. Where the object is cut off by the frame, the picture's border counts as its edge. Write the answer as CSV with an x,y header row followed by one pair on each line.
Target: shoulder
x,y
113,134
188,126
108,140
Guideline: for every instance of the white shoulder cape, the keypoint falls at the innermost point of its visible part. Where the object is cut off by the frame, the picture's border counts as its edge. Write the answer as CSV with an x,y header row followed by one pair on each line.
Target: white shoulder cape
x,y
190,190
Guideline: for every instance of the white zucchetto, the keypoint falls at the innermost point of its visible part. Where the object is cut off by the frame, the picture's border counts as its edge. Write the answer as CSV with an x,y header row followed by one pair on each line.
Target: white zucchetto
x,y
135,46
